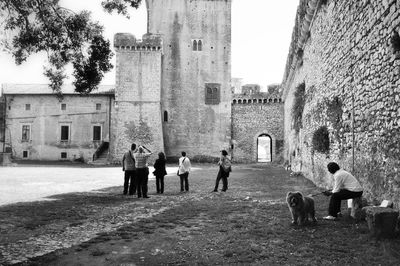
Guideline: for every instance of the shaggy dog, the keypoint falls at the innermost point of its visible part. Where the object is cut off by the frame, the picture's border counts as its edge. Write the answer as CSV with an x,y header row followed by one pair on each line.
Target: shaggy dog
x,y
301,207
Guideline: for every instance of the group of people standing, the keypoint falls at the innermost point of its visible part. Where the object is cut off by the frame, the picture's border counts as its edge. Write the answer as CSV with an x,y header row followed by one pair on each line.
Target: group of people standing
x,y
136,171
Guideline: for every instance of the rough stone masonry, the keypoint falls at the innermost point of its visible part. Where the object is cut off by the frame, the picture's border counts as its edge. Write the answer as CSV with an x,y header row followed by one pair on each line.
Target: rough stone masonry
x,y
346,56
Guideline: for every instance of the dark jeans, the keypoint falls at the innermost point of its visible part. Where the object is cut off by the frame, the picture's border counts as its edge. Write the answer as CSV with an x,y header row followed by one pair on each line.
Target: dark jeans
x,y
336,200
160,184
184,180
130,180
221,175
142,177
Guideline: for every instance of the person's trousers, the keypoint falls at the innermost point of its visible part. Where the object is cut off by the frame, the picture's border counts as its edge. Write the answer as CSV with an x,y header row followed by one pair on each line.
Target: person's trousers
x,y
224,181
160,184
130,181
142,177
336,200
184,181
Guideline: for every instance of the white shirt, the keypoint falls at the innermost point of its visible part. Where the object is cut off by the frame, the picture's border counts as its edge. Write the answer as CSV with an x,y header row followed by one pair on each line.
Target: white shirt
x,y
345,180
184,165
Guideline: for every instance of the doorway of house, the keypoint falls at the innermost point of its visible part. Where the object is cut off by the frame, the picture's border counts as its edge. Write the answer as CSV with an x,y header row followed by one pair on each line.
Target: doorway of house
x,y
264,148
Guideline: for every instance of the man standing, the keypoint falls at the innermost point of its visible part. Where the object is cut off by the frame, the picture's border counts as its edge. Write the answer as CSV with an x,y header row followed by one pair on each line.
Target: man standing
x,y
128,166
142,170
183,171
346,187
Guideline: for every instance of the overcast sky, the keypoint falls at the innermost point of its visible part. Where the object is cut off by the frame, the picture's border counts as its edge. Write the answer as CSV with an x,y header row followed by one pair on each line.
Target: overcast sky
x,y
261,34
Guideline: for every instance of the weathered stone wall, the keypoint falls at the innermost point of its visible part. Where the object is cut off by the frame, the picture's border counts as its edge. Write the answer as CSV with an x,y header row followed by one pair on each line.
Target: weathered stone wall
x,y
136,117
45,118
352,86
2,122
249,121
200,129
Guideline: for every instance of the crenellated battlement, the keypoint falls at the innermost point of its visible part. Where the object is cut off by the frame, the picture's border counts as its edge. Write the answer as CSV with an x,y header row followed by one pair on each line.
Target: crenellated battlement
x,y
127,41
256,100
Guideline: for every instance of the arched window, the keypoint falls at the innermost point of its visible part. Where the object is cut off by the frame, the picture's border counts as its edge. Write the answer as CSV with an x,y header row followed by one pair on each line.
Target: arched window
x,y
194,45
165,116
240,101
234,101
254,100
200,45
270,100
275,100
259,100
244,101
265,100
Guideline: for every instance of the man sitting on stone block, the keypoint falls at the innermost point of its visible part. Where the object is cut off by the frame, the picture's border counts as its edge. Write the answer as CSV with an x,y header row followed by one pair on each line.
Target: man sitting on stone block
x,y
345,187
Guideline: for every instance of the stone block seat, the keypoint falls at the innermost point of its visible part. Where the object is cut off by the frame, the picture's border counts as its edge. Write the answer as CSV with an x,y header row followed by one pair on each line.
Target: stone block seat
x,y
381,220
355,206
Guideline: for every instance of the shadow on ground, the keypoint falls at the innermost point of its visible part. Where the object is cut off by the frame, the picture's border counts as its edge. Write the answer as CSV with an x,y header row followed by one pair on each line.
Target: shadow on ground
x,y
249,224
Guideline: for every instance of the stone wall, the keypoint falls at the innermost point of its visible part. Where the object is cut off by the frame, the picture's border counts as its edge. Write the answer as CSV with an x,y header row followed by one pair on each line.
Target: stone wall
x,y
344,55
44,119
249,121
200,129
136,117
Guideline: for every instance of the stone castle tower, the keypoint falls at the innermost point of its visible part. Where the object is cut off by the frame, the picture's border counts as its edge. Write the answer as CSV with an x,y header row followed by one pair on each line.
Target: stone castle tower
x,y
137,107
173,88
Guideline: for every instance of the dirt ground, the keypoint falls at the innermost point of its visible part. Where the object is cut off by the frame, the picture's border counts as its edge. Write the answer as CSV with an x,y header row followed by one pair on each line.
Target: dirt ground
x,y
247,225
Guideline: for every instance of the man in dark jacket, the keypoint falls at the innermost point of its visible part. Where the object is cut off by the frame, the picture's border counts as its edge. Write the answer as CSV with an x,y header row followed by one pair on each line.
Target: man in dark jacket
x,y
128,166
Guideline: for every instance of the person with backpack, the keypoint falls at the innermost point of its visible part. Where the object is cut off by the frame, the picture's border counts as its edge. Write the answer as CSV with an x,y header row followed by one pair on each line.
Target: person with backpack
x,y
225,167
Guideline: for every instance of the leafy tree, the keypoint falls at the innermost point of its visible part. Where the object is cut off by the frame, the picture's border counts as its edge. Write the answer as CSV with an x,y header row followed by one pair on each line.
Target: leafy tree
x,y
66,37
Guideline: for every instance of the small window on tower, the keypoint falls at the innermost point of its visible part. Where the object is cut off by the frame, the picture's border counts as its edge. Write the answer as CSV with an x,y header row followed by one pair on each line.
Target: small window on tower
x,y
199,45
165,116
28,107
212,93
63,106
98,106
194,45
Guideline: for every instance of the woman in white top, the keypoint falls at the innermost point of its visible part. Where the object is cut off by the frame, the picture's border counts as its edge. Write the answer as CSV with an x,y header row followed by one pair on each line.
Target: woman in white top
x,y
346,186
183,171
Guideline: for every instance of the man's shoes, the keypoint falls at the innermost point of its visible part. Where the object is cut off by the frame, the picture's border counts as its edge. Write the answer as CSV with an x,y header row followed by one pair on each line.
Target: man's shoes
x,y
146,197
214,190
329,218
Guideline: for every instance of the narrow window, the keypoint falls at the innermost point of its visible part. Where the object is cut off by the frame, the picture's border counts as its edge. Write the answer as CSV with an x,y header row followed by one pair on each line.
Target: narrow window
x,y
25,154
64,133
199,45
63,155
96,133
212,93
165,116
26,133
98,106
28,107
194,45
63,106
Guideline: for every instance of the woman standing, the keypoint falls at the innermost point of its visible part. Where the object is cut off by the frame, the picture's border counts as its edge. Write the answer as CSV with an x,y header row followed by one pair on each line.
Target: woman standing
x,y
224,170
160,172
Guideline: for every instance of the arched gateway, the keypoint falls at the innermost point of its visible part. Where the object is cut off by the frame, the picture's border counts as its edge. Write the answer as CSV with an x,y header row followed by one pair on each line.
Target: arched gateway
x,y
264,148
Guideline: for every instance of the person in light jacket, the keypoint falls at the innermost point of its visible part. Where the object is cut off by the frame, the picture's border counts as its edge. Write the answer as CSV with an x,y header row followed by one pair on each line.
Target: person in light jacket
x,y
224,170
142,170
183,171
346,186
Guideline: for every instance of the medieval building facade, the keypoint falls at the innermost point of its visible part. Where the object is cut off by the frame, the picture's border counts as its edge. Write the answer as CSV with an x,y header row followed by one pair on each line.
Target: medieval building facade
x,y
173,93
